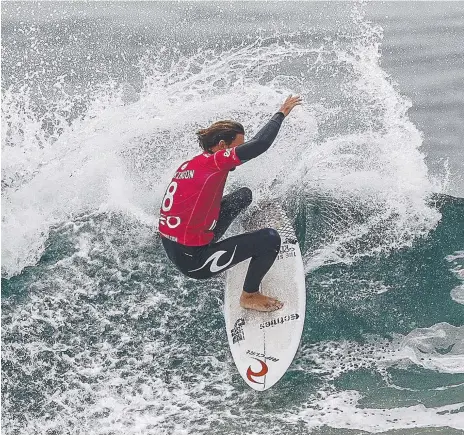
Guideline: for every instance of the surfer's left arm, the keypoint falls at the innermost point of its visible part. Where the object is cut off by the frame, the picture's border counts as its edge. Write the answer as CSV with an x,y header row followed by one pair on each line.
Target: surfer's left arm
x,y
265,137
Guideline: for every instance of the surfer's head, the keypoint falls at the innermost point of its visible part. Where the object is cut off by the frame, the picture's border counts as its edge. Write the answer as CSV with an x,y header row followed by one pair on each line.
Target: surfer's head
x,y
221,135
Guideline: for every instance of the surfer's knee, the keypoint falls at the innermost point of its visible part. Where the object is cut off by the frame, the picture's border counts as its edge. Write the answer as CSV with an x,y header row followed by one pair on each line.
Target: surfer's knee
x,y
272,237
246,195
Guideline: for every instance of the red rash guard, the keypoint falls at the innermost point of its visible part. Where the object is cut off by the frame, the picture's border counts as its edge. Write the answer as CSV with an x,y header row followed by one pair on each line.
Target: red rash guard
x,y
191,205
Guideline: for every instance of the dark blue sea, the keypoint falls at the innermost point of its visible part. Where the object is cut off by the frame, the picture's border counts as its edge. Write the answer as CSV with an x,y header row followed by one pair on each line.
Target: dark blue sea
x,y
100,104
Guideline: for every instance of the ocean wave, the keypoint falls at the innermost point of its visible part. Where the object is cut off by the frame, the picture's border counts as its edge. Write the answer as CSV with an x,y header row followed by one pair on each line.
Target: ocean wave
x,y
351,142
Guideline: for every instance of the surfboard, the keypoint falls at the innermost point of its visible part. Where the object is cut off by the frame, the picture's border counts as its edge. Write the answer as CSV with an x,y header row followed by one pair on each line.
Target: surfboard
x,y
262,344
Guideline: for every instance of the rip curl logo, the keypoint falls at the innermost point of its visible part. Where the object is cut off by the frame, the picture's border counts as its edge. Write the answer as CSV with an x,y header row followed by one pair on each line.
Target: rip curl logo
x,y
214,260
251,374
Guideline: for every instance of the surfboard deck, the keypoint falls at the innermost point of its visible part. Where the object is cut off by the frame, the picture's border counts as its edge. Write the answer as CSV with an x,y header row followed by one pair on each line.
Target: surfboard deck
x,y
264,344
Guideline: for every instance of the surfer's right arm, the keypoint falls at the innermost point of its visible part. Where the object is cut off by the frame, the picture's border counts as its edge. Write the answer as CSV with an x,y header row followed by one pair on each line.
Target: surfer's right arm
x,y
264,138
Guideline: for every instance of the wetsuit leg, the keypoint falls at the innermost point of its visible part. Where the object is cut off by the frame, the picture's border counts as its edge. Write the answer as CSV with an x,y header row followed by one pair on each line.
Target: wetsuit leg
x,y
231,206
203,262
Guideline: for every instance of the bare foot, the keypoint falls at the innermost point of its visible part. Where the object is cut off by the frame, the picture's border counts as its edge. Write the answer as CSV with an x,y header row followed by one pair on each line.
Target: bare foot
x,y
259,302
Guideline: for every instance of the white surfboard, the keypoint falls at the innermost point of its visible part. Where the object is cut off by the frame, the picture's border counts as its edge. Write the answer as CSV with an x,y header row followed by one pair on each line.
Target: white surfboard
x,y
263,345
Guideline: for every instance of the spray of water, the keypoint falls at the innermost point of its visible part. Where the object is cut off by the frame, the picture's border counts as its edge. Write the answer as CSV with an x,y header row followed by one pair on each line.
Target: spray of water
x,y
351,147
105,312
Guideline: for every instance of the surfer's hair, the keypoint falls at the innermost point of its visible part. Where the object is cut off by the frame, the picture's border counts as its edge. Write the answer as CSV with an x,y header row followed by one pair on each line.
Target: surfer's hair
x,y
220,130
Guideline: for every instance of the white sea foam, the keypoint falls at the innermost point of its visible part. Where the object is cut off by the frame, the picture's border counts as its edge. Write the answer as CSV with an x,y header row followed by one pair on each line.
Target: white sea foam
x,y
457,258
457,294
121,356
342,410
439,348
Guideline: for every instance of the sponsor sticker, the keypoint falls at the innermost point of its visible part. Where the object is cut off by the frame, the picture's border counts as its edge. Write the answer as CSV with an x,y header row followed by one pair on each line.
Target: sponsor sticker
x,y
237,331
279,320
261,355
170,221
286,251
290,241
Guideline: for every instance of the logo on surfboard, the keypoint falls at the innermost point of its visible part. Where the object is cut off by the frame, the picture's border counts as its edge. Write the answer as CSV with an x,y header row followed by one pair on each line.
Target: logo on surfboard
x,y
251,374
261,355
279,320
237,331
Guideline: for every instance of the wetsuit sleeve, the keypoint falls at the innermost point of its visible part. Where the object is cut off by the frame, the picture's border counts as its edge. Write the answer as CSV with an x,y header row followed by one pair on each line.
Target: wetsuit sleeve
x,y
262,140
226,160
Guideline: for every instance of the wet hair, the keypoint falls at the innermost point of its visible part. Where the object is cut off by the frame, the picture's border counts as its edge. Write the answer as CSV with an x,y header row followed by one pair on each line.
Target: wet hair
x,y
221,130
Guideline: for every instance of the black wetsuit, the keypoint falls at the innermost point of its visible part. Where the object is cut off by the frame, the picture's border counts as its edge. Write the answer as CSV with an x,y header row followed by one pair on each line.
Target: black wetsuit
x,y
262,246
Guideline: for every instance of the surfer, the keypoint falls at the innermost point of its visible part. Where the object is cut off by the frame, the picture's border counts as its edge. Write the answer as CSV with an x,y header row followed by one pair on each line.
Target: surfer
x,y
194,215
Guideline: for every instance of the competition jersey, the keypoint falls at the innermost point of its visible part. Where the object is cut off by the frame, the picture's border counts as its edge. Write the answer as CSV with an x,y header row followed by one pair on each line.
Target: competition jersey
x,y
191,204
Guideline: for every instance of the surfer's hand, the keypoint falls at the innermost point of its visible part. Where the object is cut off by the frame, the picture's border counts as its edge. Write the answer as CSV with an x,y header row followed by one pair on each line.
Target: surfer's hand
x,y
289,104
